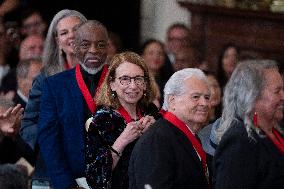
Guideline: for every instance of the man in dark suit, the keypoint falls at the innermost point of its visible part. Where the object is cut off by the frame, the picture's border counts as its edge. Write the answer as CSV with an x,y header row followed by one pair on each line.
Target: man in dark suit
x,y
67,102
169,156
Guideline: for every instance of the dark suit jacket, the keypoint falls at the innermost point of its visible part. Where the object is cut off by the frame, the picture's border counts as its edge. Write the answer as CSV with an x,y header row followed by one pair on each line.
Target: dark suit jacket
x,y
241,162
61,129
164,158
18,100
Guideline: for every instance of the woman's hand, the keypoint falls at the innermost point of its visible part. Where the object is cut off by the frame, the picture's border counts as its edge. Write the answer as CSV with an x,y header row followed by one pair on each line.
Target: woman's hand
x,y
10,121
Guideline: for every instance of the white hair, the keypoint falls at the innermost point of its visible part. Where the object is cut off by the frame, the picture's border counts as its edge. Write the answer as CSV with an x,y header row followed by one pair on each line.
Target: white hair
x,y
175,85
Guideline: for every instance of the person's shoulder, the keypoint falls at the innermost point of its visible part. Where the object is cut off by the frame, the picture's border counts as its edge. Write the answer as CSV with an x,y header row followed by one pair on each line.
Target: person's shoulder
x,y
60,75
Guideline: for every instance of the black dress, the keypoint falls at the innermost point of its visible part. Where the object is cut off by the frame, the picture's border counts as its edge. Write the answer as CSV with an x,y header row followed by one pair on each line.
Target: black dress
x,y
105,128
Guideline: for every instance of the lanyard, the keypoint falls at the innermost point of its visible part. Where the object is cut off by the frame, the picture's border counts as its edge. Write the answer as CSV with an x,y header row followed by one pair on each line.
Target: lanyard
x,y
126,115
279,141
85,91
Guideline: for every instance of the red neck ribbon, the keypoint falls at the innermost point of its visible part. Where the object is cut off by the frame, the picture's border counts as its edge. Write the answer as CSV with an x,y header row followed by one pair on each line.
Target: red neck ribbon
x,y
194,141
126,115
279,141
84,89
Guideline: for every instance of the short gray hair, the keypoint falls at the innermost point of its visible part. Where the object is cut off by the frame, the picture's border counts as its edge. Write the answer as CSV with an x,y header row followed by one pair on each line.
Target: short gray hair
x,y
241,92
175,85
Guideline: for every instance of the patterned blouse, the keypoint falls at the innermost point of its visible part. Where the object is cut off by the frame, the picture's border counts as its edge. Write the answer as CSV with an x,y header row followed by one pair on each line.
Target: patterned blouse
x,y
105,128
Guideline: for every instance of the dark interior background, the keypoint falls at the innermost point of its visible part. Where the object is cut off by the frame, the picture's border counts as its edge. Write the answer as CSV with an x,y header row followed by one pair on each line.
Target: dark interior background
x,y
121,17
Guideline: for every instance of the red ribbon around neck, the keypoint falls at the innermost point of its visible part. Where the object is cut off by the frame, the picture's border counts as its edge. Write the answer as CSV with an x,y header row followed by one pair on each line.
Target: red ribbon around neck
x,y
84,89
194,141
126,116
279,141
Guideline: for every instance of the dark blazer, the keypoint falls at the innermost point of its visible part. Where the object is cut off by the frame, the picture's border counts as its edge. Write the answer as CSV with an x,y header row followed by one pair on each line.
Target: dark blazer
x,y
29,122
18,100
61,129
241,162
165,159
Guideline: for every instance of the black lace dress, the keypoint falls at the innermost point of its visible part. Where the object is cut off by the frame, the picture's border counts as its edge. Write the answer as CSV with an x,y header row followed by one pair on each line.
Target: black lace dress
x,y
105,128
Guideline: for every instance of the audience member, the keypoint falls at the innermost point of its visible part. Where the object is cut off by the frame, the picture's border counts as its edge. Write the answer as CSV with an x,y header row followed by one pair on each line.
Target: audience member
x,y
12,147
169,155
4,51
177,39
27,70
13,177
32,23
250,153
58,50
114,45
67,102
185,58
227,62
31,47
126,112
154,55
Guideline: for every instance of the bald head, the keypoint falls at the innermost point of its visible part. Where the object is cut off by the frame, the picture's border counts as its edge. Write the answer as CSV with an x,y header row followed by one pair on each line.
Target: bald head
x,y
91,41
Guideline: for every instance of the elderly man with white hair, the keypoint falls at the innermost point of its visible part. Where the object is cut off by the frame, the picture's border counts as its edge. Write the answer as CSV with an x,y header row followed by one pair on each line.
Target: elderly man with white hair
x,y
169,155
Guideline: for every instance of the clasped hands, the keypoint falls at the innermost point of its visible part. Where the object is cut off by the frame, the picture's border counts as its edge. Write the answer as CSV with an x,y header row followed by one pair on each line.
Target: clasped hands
x,y
135,129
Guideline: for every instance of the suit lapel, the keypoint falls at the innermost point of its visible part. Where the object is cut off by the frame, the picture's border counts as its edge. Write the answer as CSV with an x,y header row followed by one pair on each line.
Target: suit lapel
x,y
76,97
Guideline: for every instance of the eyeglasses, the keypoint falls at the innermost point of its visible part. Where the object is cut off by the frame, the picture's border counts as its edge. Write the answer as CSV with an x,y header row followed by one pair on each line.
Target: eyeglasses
x,y
126,80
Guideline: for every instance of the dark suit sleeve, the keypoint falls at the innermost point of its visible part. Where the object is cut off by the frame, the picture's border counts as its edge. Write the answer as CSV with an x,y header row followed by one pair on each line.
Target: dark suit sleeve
x,y
50,140
30,120
152,163
235,162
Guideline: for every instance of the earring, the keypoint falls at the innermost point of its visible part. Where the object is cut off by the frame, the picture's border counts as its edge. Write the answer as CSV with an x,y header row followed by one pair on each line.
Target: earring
x,y
255,119
144,94
113,94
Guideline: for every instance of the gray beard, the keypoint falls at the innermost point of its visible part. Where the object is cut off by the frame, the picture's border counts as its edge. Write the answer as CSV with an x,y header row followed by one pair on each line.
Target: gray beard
x,y
91,71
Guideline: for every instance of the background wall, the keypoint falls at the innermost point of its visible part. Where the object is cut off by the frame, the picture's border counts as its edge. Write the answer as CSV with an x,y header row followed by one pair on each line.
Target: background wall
x,y
157,15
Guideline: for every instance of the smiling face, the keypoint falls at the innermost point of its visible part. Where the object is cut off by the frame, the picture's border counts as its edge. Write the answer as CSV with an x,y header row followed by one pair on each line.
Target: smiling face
x,y
66,33
128,93
192,107
91,46
269,106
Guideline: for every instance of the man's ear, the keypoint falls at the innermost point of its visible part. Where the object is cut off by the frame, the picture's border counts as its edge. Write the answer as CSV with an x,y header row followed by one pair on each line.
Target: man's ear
x,y
171,102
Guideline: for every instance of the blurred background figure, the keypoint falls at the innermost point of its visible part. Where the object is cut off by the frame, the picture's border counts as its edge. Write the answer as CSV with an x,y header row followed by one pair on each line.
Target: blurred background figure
x,y
31,47
177,39
13,177
27,70
227,62
32,23
185,58
114,45
154,55
12,147
215,98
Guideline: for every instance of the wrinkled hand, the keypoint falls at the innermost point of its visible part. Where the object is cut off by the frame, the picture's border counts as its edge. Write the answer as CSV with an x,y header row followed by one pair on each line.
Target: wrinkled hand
x,y
10,121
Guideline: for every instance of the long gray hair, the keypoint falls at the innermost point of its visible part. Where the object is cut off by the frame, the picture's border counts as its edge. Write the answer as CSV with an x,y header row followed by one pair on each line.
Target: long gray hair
x,y
53,60
175,85
241,92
